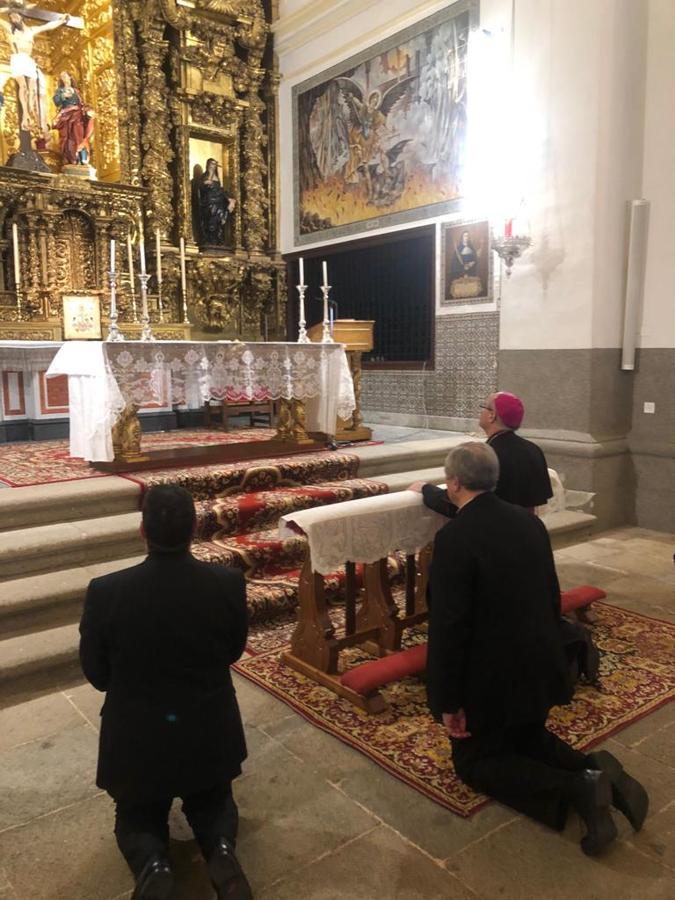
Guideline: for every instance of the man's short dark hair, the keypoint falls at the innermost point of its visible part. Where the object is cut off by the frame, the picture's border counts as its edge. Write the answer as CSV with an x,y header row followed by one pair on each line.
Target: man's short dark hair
x,y
168,517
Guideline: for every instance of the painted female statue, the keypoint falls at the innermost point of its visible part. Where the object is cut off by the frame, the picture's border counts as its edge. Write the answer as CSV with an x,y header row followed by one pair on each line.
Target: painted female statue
x,y
214,206
74,122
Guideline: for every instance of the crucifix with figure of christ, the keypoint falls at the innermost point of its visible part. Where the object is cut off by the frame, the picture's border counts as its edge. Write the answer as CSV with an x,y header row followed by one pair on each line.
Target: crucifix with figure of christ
x,y
25,70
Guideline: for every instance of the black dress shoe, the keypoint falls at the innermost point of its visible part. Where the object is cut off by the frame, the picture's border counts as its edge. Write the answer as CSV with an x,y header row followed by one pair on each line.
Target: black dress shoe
x,y
227,876
628,795
155,881
592,800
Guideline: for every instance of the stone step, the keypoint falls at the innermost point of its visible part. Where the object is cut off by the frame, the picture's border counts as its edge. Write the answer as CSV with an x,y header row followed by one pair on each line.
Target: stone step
x,y
37,659
408,456
44,570
67,501
32,662
83,544
21,598
78,542
569,526
64,545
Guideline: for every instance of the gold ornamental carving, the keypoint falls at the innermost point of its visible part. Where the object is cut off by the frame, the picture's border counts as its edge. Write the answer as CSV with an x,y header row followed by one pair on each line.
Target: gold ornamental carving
x,y
126,435
171,85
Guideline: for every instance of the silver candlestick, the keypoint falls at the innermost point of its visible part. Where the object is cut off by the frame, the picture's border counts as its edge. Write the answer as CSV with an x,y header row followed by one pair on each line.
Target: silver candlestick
x,y
326,337
186,320
114,334
146,331
302,330
160,305
134,310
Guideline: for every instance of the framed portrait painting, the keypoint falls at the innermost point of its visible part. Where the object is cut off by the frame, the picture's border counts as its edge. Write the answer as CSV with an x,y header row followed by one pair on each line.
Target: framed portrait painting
x,y
81,318
380,139
466,263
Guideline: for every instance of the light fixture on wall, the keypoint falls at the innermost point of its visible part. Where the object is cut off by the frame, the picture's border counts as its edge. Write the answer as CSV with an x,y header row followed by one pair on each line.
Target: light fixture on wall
x,y
510,247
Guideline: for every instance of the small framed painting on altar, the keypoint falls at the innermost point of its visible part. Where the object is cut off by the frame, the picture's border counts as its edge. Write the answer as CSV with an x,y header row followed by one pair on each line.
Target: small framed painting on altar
x,y
81,318
466,263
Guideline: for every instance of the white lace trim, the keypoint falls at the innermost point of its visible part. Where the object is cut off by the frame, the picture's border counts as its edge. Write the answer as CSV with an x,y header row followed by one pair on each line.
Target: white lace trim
x,y
233,371
364,530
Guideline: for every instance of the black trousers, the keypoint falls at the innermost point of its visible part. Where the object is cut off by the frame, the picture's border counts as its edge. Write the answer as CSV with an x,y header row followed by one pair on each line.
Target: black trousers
x,y
526,767
143,829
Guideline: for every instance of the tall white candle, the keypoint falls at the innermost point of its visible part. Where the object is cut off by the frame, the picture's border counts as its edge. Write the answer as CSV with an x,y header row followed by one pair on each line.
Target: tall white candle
x,y
183,279
302,271
141,252
112,254
17,259
325,273
130,255
158,251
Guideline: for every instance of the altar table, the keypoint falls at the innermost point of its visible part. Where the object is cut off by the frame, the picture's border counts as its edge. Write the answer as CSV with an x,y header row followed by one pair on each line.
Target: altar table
x,y
107,379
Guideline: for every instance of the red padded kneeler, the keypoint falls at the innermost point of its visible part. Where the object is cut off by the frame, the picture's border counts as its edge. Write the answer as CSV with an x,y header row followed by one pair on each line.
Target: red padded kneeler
x,y
367,677
579,597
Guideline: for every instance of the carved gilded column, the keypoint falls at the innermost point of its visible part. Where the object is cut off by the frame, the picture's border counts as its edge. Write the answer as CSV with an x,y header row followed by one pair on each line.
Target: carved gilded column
x,y
256,232
128,92
271,94
157,150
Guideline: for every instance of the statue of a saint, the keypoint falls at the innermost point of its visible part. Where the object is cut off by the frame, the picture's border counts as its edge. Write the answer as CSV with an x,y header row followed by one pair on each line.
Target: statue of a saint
x,y
22,65
213,206
74,122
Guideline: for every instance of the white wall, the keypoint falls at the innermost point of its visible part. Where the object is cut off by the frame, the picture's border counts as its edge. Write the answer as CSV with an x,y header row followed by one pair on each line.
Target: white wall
x,y
658,328
587,86
578,114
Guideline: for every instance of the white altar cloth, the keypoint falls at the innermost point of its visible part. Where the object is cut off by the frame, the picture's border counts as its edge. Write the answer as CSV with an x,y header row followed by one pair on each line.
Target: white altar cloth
x,y
104,376
364,530
27,356
94,398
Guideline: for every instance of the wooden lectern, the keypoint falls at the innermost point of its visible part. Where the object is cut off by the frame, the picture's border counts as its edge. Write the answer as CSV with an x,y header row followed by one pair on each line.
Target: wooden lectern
x,y
357,337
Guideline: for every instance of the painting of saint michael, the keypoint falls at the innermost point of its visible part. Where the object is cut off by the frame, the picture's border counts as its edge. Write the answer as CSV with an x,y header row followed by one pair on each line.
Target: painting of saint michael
x,y
381,138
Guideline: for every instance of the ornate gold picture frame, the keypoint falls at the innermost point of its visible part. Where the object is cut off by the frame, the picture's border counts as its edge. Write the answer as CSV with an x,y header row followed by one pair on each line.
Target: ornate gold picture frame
x,y
380,138
81,318
466,263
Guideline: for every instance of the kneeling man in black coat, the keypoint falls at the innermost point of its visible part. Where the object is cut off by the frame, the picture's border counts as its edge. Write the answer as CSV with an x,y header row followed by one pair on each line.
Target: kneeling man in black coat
x,y
159,639
496,661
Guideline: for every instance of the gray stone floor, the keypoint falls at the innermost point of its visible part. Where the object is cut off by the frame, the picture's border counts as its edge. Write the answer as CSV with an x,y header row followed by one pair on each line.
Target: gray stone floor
x,y
320,821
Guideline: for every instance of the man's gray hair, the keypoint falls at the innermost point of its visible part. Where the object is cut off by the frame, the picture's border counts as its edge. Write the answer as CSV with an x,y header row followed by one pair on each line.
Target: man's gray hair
x,y
474,464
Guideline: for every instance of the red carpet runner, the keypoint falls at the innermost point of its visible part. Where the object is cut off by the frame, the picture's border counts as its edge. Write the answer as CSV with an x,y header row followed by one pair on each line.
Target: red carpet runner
x,y
27,463
238,509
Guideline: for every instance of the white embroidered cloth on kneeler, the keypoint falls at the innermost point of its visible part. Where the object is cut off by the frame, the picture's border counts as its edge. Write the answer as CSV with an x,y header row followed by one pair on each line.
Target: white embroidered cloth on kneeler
x,y
363,530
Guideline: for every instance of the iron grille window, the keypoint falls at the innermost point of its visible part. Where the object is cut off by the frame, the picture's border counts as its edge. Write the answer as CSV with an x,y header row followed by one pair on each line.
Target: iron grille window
x,y
389,280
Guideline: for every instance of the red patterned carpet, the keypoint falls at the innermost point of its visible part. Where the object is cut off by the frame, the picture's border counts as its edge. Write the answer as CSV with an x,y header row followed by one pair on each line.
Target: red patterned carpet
x,y
43,462
206,482
238,509
637,676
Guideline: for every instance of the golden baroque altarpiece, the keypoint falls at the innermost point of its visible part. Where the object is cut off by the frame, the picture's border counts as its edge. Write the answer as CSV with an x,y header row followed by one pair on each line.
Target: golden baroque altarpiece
x,y
171,82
